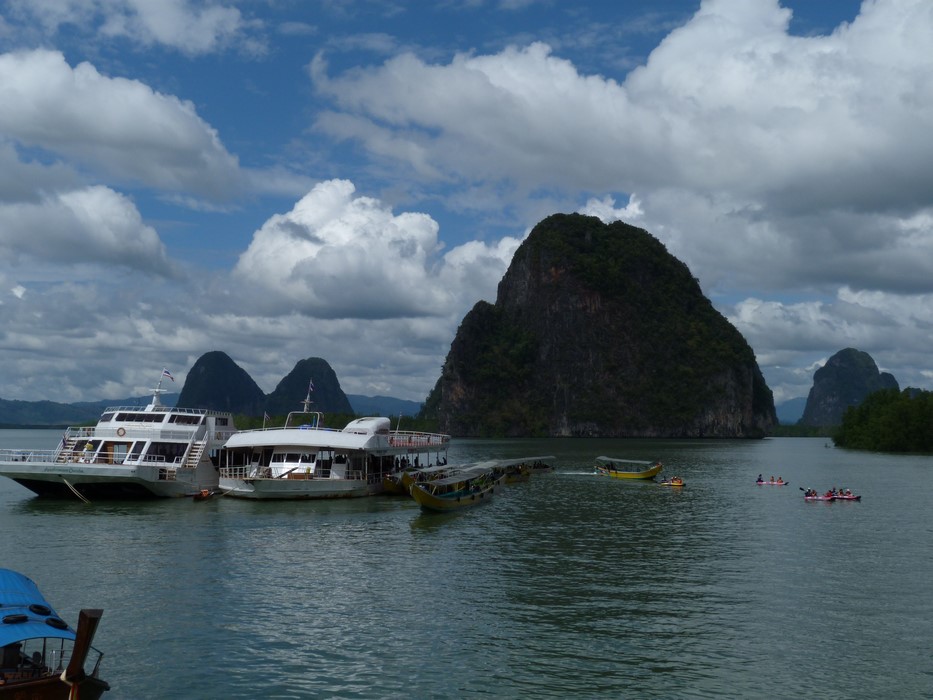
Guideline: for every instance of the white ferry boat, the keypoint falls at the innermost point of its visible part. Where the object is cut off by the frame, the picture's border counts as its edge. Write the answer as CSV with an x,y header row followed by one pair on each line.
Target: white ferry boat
x,y
305,460
133,452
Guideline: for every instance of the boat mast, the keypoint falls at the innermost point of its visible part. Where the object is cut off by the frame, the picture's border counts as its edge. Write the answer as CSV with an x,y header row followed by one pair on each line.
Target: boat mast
x,y
307,402
158,391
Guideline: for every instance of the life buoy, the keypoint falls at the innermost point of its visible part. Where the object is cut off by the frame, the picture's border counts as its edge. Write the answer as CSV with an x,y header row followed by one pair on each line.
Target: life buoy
x,y
121,431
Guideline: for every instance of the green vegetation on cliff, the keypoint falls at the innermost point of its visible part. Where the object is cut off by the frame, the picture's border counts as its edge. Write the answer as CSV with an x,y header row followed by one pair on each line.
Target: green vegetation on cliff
x,y
598,330
889,421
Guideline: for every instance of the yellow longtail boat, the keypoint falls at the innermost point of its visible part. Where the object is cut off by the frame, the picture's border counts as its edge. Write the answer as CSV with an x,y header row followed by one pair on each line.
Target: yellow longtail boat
x,y
611,466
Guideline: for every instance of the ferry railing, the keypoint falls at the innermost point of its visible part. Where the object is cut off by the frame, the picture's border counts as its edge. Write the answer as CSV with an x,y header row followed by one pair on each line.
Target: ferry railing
x,y
236,472
145,432
21,455
406,438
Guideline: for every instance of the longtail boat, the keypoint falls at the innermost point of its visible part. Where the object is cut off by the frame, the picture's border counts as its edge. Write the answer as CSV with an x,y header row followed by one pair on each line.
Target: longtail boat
x,y
41,656
614,467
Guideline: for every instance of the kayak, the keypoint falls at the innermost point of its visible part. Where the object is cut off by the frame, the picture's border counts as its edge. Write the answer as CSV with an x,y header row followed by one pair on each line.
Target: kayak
x,y
772,483
679,482
832,498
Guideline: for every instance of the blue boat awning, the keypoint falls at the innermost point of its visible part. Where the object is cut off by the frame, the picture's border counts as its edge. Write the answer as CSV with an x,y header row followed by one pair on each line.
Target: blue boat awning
x,y
24,612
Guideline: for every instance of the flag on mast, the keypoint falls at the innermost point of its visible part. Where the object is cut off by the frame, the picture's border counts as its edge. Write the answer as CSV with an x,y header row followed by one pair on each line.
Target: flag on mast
x,y
166,373
310,385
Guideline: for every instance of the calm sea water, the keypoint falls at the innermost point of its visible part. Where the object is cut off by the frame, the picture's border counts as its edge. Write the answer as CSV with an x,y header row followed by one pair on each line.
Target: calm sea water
x,y
570,585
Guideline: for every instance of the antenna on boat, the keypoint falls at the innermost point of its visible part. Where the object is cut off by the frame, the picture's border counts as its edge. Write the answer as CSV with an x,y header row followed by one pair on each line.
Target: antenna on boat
x,y
307,402
158,391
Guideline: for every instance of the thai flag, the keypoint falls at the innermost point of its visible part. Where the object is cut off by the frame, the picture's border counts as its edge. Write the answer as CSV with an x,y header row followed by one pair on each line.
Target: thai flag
x,y
166,373
310,385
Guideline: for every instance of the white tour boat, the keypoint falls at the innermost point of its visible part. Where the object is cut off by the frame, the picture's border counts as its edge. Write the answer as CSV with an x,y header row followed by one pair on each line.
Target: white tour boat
x,y
305,460
132,452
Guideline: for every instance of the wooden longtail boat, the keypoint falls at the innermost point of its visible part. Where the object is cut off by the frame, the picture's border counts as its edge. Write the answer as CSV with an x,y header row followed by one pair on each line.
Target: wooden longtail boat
x,y
467,488
41,657
611,466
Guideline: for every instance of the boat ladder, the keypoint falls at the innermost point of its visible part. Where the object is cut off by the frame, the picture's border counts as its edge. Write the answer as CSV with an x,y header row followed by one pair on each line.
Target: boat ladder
x,y
194,454
67,450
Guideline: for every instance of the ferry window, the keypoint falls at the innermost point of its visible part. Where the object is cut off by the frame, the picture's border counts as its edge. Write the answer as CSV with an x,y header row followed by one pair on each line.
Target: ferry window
x,y
105,418
170,451
185,420
221,421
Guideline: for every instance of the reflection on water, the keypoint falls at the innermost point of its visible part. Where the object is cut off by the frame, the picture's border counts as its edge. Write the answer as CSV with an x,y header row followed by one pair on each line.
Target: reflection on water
x,y
570,584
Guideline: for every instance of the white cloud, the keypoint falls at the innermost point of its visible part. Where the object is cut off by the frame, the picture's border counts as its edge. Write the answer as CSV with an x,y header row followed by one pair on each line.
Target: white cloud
x,y
192,28
120,127
605,209
94,225
337,255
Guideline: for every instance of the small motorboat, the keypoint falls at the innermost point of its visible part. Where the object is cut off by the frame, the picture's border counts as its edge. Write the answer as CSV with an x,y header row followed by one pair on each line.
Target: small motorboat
x,y
203,495
673,481
41,657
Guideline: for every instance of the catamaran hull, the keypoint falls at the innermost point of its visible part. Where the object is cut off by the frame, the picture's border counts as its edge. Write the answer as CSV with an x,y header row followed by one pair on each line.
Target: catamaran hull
x,y
299,489
108,483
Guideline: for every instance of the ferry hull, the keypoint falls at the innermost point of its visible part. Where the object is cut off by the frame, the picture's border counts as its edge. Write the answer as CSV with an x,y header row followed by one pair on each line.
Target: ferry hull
x,y
52,480
298,489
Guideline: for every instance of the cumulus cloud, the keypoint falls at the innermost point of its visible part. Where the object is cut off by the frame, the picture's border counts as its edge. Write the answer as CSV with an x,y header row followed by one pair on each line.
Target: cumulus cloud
x,y
337,255
605,209
94,225
119,127
730,109
192,28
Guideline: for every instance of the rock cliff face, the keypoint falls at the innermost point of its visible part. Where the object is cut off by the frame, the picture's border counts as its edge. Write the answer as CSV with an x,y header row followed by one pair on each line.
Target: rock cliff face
x,y
327,394
845,380
219,383
597,330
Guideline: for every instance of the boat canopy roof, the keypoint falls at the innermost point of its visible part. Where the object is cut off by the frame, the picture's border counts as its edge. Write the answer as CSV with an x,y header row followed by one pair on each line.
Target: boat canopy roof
x,y
623,461
525,460
20,597
466,472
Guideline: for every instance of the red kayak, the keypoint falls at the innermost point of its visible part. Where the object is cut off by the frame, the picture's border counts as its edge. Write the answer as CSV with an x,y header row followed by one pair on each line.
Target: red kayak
x,y
772,483
847,498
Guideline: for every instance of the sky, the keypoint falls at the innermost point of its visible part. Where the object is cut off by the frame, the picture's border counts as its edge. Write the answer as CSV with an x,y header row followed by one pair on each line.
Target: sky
x,y
345,179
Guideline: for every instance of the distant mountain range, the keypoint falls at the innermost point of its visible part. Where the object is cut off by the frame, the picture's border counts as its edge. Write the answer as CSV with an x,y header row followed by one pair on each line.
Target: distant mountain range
x,y
49,413
791,411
